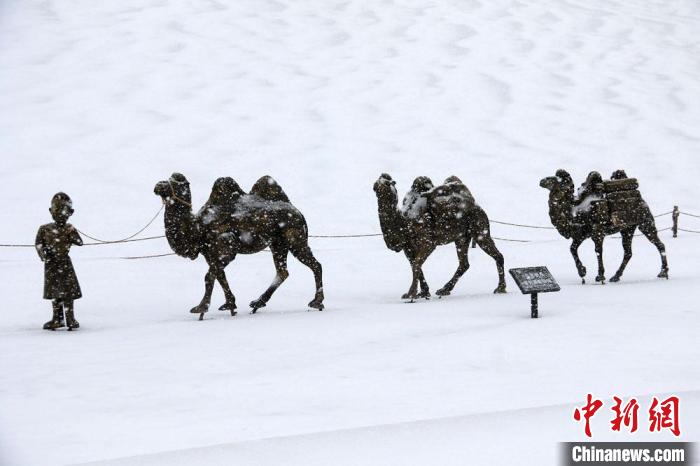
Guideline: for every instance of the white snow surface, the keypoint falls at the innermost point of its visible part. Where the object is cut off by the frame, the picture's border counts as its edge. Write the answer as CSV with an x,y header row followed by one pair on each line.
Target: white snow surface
x,y
103,99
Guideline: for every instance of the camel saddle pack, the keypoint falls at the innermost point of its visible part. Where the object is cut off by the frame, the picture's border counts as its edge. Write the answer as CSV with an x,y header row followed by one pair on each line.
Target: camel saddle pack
x,y
441,207
621,203
450,199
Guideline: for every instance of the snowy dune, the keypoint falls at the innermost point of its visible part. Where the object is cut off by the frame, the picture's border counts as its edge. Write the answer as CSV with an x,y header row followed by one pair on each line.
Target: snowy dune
x,y
103,99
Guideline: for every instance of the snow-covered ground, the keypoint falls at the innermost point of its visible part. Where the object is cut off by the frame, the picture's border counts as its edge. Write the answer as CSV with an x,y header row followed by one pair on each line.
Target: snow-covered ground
x,y
103,99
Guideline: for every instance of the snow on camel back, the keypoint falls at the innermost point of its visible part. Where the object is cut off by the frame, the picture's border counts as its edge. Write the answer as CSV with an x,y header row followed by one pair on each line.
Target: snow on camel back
x,y
415,203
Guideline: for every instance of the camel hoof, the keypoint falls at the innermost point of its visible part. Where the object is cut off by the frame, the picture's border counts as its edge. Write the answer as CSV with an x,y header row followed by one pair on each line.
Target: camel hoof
x,y
615,279
228,307
199,310
443,292
201,316
500,289
316,305
663,274
424,294
601,279
257,305
583,281
410,297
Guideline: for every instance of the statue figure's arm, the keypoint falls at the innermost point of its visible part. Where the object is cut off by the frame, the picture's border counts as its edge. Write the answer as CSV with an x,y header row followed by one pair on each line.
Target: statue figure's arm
x,y
39,244
75,237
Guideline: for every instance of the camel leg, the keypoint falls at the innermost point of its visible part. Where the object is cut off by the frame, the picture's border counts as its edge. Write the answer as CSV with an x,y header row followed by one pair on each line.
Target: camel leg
x,y
418,277
480,229
306,257
463,257
598,240
414,280
627,236
574,252
424,288
486,243
648,229
203,306
230,304
279,256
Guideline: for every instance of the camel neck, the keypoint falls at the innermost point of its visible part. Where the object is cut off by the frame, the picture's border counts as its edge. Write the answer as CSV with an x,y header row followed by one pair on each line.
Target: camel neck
x,y
392,224
560,205
182,230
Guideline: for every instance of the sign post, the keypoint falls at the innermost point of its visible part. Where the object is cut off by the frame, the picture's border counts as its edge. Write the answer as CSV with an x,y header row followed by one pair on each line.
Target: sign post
x,y
533,280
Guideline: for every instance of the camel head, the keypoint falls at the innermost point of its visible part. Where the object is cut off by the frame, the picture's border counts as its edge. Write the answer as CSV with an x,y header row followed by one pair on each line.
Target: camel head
x,y
174,190
561,198
390,220
181,228
385,189
561,182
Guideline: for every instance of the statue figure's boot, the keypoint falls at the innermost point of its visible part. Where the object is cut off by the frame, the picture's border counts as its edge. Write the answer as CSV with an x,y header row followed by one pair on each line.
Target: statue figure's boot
x,y
57,319
70,319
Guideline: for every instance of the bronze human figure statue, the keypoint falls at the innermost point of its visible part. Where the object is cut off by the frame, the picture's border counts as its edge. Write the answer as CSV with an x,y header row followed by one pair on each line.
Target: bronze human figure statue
x,y
53,243
431,216
232,222
602,208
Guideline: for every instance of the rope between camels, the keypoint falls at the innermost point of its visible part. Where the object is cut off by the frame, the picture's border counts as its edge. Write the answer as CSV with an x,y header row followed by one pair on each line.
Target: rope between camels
x,y
642,234
514,240
523,225
134,240
147,238
690,215
149,256
131,238
665,213
123,240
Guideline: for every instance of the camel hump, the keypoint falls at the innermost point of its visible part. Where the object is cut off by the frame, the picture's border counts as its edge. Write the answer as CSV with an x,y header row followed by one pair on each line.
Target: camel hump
x,y
453,191
268,189
225,191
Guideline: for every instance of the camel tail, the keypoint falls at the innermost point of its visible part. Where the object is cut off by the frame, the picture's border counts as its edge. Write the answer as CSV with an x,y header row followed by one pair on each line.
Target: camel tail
x,y
304,225
479,225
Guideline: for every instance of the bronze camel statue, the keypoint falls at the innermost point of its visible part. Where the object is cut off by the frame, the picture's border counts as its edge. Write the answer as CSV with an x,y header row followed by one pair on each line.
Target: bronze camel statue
x,y
603,208
433,216
233,222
